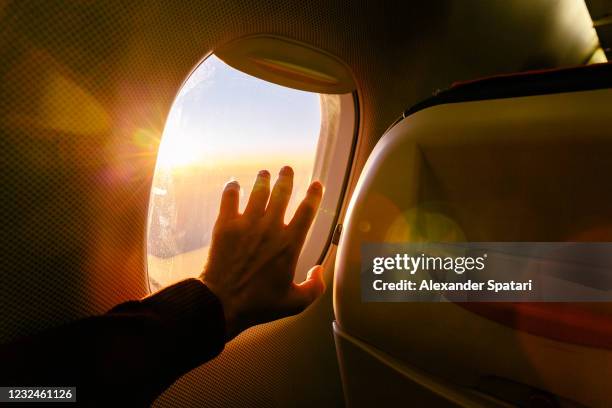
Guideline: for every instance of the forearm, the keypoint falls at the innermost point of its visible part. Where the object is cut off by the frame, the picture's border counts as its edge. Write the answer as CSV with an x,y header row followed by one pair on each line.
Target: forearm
x,y
132,353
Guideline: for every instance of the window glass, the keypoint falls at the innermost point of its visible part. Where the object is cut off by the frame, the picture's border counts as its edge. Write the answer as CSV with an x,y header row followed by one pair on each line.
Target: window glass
x,y
226,125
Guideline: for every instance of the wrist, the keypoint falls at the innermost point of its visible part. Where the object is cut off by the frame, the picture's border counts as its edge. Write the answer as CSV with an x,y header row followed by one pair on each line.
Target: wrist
x,y
229,314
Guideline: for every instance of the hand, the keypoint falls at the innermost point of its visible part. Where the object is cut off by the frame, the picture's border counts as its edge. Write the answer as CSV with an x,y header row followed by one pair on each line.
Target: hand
x,y
253,256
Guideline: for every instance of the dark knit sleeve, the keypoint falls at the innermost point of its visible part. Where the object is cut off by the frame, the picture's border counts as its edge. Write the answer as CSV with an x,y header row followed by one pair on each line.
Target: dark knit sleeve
x,y
128,356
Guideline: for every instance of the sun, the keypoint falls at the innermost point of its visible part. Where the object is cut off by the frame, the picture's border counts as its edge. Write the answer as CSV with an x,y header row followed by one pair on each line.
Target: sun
x,y
180,150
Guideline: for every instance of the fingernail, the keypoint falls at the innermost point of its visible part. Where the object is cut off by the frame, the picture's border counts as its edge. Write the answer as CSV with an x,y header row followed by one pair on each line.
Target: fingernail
x,y
263,173
286,171
233,184
316,186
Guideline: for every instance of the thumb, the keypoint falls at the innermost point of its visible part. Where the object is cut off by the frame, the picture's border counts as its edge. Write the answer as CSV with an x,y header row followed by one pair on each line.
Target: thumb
x,y
305,293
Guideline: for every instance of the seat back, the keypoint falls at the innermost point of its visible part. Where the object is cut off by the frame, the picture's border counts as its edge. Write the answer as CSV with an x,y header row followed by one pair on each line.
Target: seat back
x,y
524,158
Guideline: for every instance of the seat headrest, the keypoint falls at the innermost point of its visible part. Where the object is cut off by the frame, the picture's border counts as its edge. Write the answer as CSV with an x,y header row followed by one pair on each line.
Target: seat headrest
x,y
528,83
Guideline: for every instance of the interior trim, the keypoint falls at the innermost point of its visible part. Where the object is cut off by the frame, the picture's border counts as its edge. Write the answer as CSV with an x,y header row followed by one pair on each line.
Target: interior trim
x,y
528,83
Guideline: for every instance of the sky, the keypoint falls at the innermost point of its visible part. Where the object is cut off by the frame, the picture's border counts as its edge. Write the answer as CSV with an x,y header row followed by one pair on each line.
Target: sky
x,y
222,114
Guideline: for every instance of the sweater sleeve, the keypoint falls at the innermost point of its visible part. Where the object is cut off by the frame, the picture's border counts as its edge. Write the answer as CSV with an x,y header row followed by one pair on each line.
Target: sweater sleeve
x,y
127,356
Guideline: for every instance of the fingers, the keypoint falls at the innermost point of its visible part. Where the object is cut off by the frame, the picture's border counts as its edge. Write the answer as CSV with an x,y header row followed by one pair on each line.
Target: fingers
x,y
229,201
279,198
303,294
304,215
259,196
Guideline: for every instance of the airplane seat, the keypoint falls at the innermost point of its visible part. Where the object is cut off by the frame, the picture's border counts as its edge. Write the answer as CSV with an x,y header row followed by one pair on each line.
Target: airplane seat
x,y
524,157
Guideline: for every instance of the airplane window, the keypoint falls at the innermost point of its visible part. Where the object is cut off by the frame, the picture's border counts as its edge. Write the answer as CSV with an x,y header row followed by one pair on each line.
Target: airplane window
x,y
226,125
